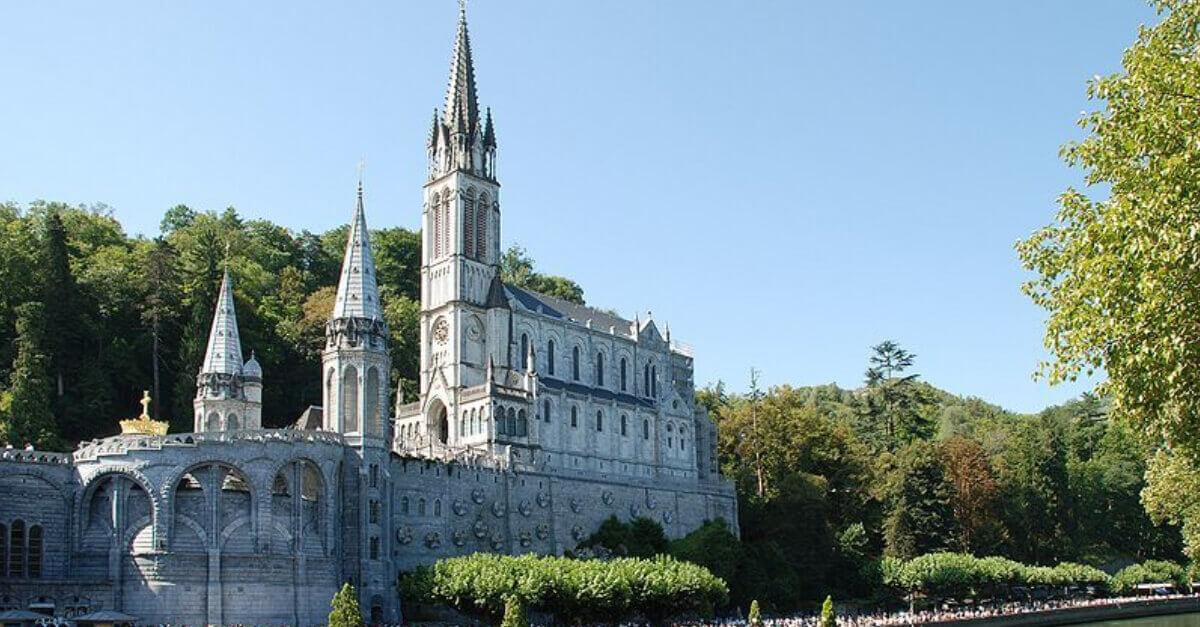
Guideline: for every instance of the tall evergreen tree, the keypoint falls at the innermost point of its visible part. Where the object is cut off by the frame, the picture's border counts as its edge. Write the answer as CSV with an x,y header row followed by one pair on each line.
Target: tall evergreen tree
x,y
25,406
61,317
921,516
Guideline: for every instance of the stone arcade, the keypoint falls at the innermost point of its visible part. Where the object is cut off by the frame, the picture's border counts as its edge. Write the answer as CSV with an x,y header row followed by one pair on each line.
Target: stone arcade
x,y
537,419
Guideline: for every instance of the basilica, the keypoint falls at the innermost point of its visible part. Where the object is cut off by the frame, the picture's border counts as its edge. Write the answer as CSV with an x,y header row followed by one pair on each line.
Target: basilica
x,y
536,420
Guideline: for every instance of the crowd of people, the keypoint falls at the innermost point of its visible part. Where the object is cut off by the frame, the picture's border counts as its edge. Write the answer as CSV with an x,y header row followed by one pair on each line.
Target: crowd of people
x,y
944,614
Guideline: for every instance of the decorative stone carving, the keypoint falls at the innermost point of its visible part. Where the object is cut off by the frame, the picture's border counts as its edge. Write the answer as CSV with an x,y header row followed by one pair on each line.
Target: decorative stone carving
x,y
433,539
498,509
526,538
578,533
576,505
526,508
404,535
460,537
477,496
634,510
497,541
481,529
543,499
651,502
542,531
460,507
667,516
607,497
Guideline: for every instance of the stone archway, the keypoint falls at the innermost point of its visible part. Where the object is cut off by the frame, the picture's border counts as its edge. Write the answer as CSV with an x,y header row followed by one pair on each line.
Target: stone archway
x,y
438,421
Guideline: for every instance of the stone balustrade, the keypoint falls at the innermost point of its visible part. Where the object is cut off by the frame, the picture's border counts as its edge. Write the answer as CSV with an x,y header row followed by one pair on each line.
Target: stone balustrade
x,y
34,457
120,444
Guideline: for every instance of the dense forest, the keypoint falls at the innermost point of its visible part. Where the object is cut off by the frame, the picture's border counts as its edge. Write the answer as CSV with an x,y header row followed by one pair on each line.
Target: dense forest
x,y
832,480
90,317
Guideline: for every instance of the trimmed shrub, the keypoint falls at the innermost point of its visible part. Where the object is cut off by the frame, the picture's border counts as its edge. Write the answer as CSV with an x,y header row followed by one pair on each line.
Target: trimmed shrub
x,y
344,610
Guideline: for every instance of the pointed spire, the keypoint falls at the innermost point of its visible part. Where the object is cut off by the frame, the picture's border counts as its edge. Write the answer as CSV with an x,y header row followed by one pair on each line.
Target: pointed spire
x,y
462,105
489,131
358,292
224,353
435,130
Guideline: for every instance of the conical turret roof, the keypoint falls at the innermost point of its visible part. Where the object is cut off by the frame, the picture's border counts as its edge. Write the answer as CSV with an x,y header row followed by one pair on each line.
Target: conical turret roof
x,y
358,291
224,353
462,105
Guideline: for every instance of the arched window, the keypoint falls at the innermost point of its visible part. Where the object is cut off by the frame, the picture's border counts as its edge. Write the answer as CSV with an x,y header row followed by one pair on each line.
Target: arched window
x,y
624,424
501,427
435,210
645,429
374,547
599,421
646,383
437,507
447,208
35,551
16,550
421,507
574,416
654,381
524,351
546,410
474,421
372,420
350,399
404,506
600,369
575,362
231,423
481,227
522,424
469,223
213,422
462,425
512,421
550,357
623,384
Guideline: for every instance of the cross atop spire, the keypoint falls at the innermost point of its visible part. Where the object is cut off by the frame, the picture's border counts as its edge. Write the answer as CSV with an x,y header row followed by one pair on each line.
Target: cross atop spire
x,y
224,353
358,291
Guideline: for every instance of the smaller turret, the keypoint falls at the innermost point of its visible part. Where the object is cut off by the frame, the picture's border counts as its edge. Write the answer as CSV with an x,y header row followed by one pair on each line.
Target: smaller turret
x,y
228,391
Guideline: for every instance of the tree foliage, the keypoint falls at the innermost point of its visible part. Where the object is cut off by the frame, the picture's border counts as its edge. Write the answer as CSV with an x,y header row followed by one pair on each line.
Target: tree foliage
x,y
344,610
1116,270
516,268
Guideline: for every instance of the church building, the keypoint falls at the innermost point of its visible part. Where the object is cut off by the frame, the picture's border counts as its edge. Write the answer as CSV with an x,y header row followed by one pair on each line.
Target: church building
x,y
536,420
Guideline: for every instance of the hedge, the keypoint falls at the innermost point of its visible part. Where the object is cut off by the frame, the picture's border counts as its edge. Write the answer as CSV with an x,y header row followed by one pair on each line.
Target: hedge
x,y
571,589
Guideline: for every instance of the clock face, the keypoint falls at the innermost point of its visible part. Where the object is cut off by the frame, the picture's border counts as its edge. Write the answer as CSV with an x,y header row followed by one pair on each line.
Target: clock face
x,y
441,331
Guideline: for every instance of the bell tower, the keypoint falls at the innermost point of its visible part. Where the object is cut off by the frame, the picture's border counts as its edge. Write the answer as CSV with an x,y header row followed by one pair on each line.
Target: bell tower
x,y
462,302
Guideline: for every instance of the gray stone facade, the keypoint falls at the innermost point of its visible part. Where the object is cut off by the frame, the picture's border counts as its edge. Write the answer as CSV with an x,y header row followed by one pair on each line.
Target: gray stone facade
x,y
537,420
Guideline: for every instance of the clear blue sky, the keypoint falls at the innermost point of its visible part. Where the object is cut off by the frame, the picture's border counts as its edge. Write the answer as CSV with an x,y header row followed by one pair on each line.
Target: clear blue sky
x,y
785,183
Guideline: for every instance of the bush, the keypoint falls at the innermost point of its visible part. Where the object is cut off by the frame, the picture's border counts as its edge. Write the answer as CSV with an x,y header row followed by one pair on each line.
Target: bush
x,y
755,617
482,584
958,575
344,611
1151,571
828,618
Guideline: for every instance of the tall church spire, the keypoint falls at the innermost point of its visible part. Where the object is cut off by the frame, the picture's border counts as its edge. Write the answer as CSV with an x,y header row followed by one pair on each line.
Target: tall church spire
x,y
462,105
462,140
224,353
358,291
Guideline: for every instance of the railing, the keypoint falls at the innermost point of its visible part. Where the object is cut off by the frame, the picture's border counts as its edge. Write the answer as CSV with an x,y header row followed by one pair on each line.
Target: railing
x,y
34,457
120,444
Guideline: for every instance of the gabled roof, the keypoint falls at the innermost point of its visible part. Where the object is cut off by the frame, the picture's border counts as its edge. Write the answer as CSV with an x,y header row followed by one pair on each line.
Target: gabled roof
x,y
358,291
563,310
224,352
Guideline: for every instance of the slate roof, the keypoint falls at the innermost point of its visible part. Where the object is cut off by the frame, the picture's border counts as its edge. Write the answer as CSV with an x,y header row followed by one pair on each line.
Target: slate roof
x,y
563,310
224,352
358,291
606,394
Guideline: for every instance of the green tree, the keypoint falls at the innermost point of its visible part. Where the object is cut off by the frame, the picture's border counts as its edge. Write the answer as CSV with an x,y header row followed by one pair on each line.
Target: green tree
x,y
754,619
517,268
25,405
921,512
1116,269
344,611
893,400
828,617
